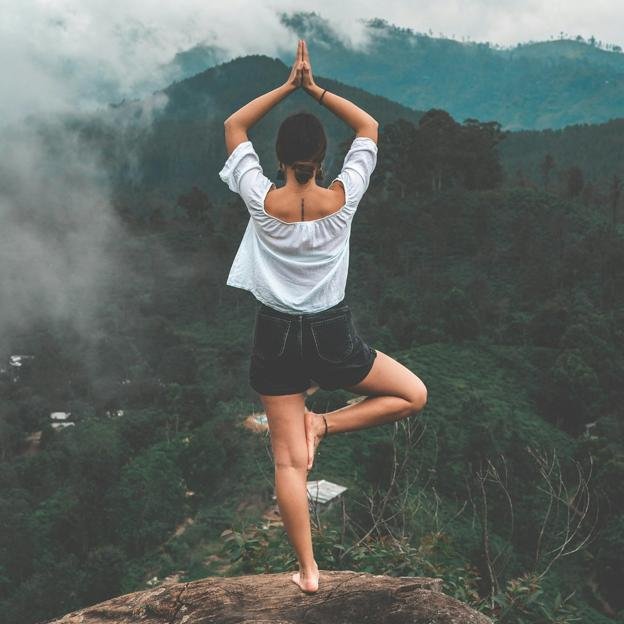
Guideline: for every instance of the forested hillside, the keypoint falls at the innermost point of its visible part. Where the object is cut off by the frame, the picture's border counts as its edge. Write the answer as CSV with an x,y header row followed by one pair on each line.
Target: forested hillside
x,y
531,85
505,295
535,85
158,149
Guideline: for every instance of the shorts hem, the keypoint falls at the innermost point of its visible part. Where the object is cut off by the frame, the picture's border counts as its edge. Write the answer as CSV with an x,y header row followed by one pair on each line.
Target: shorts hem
x,y
362,373
368,368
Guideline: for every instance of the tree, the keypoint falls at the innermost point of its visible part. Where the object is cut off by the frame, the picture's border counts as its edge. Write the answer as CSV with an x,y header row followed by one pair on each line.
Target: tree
x,y
569,391
479,160
438,129
459,317
441,154
574,177
149,499
546,167
615,192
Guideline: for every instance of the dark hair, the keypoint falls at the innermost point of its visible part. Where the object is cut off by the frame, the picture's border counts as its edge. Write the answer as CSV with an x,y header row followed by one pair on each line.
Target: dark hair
x,y
301,143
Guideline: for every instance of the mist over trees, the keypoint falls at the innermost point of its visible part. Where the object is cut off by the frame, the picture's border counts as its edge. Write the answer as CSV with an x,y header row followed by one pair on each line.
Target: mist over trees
x,y
501,287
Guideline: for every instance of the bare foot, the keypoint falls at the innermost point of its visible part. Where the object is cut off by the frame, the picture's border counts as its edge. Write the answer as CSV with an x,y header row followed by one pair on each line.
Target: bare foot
x,y
307,581
315,432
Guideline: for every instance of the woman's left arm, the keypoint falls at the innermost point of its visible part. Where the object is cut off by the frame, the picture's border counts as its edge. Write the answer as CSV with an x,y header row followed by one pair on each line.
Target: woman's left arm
x,y
237,124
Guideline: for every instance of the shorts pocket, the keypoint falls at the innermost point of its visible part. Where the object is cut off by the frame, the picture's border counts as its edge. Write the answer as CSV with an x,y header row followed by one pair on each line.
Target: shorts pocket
x,y
269,336
333,337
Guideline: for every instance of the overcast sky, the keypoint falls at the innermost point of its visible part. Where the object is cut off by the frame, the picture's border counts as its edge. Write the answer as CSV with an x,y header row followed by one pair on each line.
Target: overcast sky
x,y
58,54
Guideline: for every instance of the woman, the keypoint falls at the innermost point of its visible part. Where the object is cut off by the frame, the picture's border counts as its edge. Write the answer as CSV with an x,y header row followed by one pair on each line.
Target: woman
x,y
294,259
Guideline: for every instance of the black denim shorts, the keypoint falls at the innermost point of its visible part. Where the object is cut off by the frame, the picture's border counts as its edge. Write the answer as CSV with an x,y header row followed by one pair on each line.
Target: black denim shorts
x,y
291,352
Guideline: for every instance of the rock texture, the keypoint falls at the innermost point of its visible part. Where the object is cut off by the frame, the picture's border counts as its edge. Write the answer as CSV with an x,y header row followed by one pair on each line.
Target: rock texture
x,y
343,597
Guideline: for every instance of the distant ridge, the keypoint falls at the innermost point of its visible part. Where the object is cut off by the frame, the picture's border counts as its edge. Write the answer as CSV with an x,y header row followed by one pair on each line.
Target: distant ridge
x,y
536,85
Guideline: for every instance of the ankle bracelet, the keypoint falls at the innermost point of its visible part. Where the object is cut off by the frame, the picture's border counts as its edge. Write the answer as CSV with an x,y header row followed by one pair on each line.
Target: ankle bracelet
x,y
323,415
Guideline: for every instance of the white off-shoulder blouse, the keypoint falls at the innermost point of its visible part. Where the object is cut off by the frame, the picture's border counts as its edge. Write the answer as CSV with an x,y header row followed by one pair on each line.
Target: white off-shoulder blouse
x,y
302,266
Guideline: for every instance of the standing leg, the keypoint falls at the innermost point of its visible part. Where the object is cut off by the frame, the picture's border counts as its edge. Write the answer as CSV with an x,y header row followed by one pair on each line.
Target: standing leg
x,y
394,392
288,441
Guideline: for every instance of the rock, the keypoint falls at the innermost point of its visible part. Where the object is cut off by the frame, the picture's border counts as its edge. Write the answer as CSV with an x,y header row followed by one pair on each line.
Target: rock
x,y
343,597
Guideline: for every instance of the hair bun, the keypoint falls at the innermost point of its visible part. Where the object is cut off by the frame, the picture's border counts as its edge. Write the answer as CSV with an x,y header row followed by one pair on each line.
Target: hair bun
x,y
303,171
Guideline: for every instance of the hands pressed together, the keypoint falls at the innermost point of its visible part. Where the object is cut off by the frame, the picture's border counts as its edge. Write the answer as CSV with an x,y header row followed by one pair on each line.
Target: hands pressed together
x,y
245,117
301,72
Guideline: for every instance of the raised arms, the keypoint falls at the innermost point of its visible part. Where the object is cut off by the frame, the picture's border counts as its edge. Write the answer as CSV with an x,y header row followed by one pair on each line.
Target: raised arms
x,y
237,124
362,123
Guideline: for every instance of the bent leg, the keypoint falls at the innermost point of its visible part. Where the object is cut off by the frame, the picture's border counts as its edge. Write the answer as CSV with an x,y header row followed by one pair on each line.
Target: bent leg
x,y
393,392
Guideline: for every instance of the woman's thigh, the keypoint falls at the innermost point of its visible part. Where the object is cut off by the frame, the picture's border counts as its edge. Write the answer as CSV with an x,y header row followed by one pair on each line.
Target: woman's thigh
x,y
389,377
285,415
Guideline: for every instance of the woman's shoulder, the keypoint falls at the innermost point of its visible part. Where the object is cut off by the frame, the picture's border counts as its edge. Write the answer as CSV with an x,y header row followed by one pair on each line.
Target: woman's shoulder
x,y
337,188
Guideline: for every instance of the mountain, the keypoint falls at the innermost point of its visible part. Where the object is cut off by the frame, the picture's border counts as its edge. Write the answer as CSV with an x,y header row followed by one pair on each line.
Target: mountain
x,y
547,84
530,87
184,146
169,148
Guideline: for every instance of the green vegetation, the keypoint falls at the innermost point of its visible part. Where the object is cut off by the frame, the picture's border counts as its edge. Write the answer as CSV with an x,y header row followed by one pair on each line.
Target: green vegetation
x,y
506,300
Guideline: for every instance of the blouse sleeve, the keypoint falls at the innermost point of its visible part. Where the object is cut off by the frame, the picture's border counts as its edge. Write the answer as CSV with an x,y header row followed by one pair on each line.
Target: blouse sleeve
x,y
243,174
359,164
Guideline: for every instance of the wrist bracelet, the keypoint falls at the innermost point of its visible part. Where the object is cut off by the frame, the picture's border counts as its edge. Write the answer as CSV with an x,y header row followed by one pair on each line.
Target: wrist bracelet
x,y
322,95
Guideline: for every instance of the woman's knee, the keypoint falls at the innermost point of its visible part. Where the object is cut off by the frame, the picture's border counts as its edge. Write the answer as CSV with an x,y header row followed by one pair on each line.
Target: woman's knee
x,y
418,397
294,464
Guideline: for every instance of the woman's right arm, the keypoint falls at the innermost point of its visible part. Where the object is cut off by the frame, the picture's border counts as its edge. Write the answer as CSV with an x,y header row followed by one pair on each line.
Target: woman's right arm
x,y
362,123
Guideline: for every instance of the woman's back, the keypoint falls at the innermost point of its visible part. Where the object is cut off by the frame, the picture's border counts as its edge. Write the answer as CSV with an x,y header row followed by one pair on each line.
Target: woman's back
x,y
315,203
296,266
